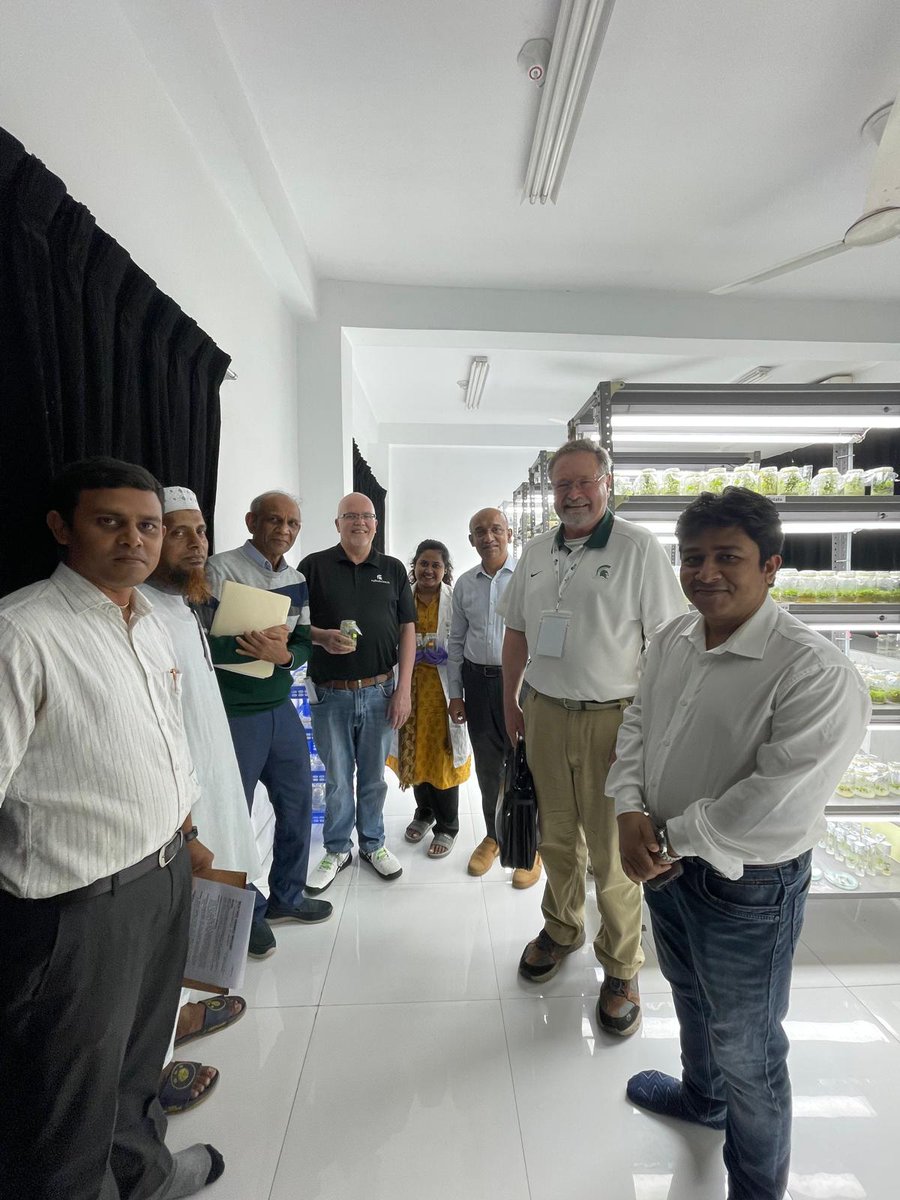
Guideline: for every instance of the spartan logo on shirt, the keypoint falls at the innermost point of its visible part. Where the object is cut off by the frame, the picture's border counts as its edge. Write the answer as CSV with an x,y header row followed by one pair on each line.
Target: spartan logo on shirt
x,y
379,578
603,570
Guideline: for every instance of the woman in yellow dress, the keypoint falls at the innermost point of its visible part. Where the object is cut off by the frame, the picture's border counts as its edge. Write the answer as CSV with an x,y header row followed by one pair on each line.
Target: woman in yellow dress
x,y
430,755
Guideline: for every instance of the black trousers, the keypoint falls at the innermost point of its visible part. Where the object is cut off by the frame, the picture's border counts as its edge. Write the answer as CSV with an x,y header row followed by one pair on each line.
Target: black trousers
x,y
89,993
440,805
483,696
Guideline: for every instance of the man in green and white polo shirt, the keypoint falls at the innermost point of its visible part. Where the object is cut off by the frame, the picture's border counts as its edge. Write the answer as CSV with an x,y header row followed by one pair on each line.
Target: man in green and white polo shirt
x,y
579,610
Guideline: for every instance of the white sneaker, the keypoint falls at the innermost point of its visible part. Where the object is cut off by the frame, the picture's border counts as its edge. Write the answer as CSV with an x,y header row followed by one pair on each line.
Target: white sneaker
x,y
387,866
326,872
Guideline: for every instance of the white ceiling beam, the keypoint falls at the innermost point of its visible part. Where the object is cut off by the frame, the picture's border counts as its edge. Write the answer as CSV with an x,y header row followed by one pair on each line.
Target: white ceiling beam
x,y
472,436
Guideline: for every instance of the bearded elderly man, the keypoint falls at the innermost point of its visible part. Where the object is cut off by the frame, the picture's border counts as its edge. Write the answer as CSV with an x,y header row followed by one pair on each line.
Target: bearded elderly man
x,y
269,738
176,588
582,604
96,792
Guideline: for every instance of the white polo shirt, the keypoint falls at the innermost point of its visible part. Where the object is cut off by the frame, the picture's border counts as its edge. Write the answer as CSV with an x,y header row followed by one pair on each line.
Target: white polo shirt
x,y
618,591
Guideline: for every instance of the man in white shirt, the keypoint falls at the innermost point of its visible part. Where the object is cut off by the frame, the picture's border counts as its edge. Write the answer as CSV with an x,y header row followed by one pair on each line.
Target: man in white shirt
x,y
175,588
474,678
583,602
744,722
96,789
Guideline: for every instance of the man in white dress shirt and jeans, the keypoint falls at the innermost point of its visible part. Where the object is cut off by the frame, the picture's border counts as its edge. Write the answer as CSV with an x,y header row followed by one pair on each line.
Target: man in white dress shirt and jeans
x,y
96,853
743,724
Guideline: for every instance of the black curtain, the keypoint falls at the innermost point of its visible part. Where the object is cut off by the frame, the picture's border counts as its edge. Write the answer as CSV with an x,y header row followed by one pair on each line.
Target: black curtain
x,y
869,550
94,359
364,481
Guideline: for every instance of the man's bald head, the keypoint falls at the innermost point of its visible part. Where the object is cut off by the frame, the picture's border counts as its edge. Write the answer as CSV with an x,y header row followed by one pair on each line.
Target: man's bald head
x,y
355,502
356,525
490,534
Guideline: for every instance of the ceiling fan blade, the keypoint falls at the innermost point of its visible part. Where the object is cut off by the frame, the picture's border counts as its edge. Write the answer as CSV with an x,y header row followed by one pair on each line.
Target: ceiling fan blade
x,y
884,183
792,264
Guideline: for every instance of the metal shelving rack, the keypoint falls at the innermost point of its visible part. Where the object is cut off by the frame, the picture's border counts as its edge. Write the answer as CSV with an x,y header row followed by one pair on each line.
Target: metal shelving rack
x,y
852,402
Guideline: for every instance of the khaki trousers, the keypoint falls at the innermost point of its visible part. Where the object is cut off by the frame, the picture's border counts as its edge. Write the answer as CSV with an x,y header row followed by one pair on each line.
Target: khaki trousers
x,y
568,753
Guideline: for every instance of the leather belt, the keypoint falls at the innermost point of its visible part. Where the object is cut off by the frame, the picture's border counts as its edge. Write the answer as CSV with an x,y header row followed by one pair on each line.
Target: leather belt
x,y
487,672
586,705
356,685
159,858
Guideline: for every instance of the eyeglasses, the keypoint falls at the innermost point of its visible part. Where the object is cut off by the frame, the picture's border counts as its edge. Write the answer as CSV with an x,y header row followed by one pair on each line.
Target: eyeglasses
x,y
583,485
358,517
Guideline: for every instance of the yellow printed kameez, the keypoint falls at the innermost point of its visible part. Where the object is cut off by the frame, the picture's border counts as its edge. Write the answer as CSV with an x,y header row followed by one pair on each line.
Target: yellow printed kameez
x,y
427,755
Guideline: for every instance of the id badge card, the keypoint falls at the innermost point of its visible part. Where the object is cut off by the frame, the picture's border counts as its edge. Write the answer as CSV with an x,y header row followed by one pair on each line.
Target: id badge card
x,y
552,632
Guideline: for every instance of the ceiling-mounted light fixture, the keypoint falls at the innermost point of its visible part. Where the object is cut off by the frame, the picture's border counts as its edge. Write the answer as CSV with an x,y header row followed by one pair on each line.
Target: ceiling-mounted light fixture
x,y
754,375
474,385
580,30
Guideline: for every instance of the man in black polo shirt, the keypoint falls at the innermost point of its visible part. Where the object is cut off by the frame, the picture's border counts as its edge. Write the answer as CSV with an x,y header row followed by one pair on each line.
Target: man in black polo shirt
x,y
358,701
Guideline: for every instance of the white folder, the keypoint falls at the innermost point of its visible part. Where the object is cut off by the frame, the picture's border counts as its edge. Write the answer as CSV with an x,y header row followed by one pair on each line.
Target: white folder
x,y
244,609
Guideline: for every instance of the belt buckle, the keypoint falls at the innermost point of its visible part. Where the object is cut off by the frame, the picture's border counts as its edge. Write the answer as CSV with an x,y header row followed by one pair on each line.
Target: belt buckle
x,y
571,705
174,845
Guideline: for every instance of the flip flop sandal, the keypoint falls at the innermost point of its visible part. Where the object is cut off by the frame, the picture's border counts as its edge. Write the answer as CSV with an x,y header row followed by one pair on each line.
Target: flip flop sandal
x,y
175,1090
416,830
216,1016
446,840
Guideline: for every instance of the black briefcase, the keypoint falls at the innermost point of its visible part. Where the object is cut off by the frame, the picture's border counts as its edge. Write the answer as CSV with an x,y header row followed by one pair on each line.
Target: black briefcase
x,y
517,812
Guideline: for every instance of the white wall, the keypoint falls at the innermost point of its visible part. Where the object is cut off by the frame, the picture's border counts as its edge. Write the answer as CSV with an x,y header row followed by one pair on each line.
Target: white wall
x,y
76,88
435,490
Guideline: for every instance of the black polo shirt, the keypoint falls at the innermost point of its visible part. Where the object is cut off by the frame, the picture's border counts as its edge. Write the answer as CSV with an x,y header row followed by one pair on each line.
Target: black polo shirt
x,y
375,594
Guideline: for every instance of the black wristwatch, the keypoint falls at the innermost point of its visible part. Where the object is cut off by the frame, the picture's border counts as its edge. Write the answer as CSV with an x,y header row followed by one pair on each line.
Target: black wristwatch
x,y
664,855
191,835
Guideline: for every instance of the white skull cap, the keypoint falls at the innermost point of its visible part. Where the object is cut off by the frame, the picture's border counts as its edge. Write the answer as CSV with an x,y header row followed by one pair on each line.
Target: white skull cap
x,y
176,498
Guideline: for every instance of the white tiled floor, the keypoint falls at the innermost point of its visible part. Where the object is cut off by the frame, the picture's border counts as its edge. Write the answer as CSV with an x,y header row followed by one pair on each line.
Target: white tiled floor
x,y
393,1053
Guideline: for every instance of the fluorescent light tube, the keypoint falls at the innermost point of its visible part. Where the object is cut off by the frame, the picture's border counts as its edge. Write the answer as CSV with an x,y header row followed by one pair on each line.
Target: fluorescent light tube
x,y
843,422
666,529
580,30
474,385
850,627
794,436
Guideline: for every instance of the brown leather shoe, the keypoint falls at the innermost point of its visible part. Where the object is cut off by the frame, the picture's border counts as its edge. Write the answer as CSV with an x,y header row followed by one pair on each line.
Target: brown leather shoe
x,y
524,878
483,856
543,956
619,1006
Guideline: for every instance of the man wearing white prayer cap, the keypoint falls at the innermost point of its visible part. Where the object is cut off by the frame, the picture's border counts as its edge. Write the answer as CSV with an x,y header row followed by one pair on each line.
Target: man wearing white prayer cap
x,y
177,584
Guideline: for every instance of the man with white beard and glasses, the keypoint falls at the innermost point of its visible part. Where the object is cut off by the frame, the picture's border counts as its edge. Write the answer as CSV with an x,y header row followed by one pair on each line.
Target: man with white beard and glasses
x,y
583,602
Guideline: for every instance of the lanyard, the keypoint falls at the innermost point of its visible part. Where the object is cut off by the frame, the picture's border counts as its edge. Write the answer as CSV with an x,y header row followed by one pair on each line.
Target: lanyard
x,y
572,562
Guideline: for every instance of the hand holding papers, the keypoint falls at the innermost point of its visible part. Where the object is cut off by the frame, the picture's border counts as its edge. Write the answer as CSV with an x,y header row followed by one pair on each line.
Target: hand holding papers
x,y
244,609
221,914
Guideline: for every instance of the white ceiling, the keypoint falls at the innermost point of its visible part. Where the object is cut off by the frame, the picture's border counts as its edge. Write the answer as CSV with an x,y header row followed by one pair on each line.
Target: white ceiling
x,y
717,139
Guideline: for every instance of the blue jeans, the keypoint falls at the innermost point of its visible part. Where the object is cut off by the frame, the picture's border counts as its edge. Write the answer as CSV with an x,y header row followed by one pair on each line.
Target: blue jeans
x,y
271,749
352,733
727,947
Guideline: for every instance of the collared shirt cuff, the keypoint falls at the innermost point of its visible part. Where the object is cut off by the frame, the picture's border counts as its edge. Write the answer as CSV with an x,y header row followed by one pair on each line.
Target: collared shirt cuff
x,y
628,800
680,833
